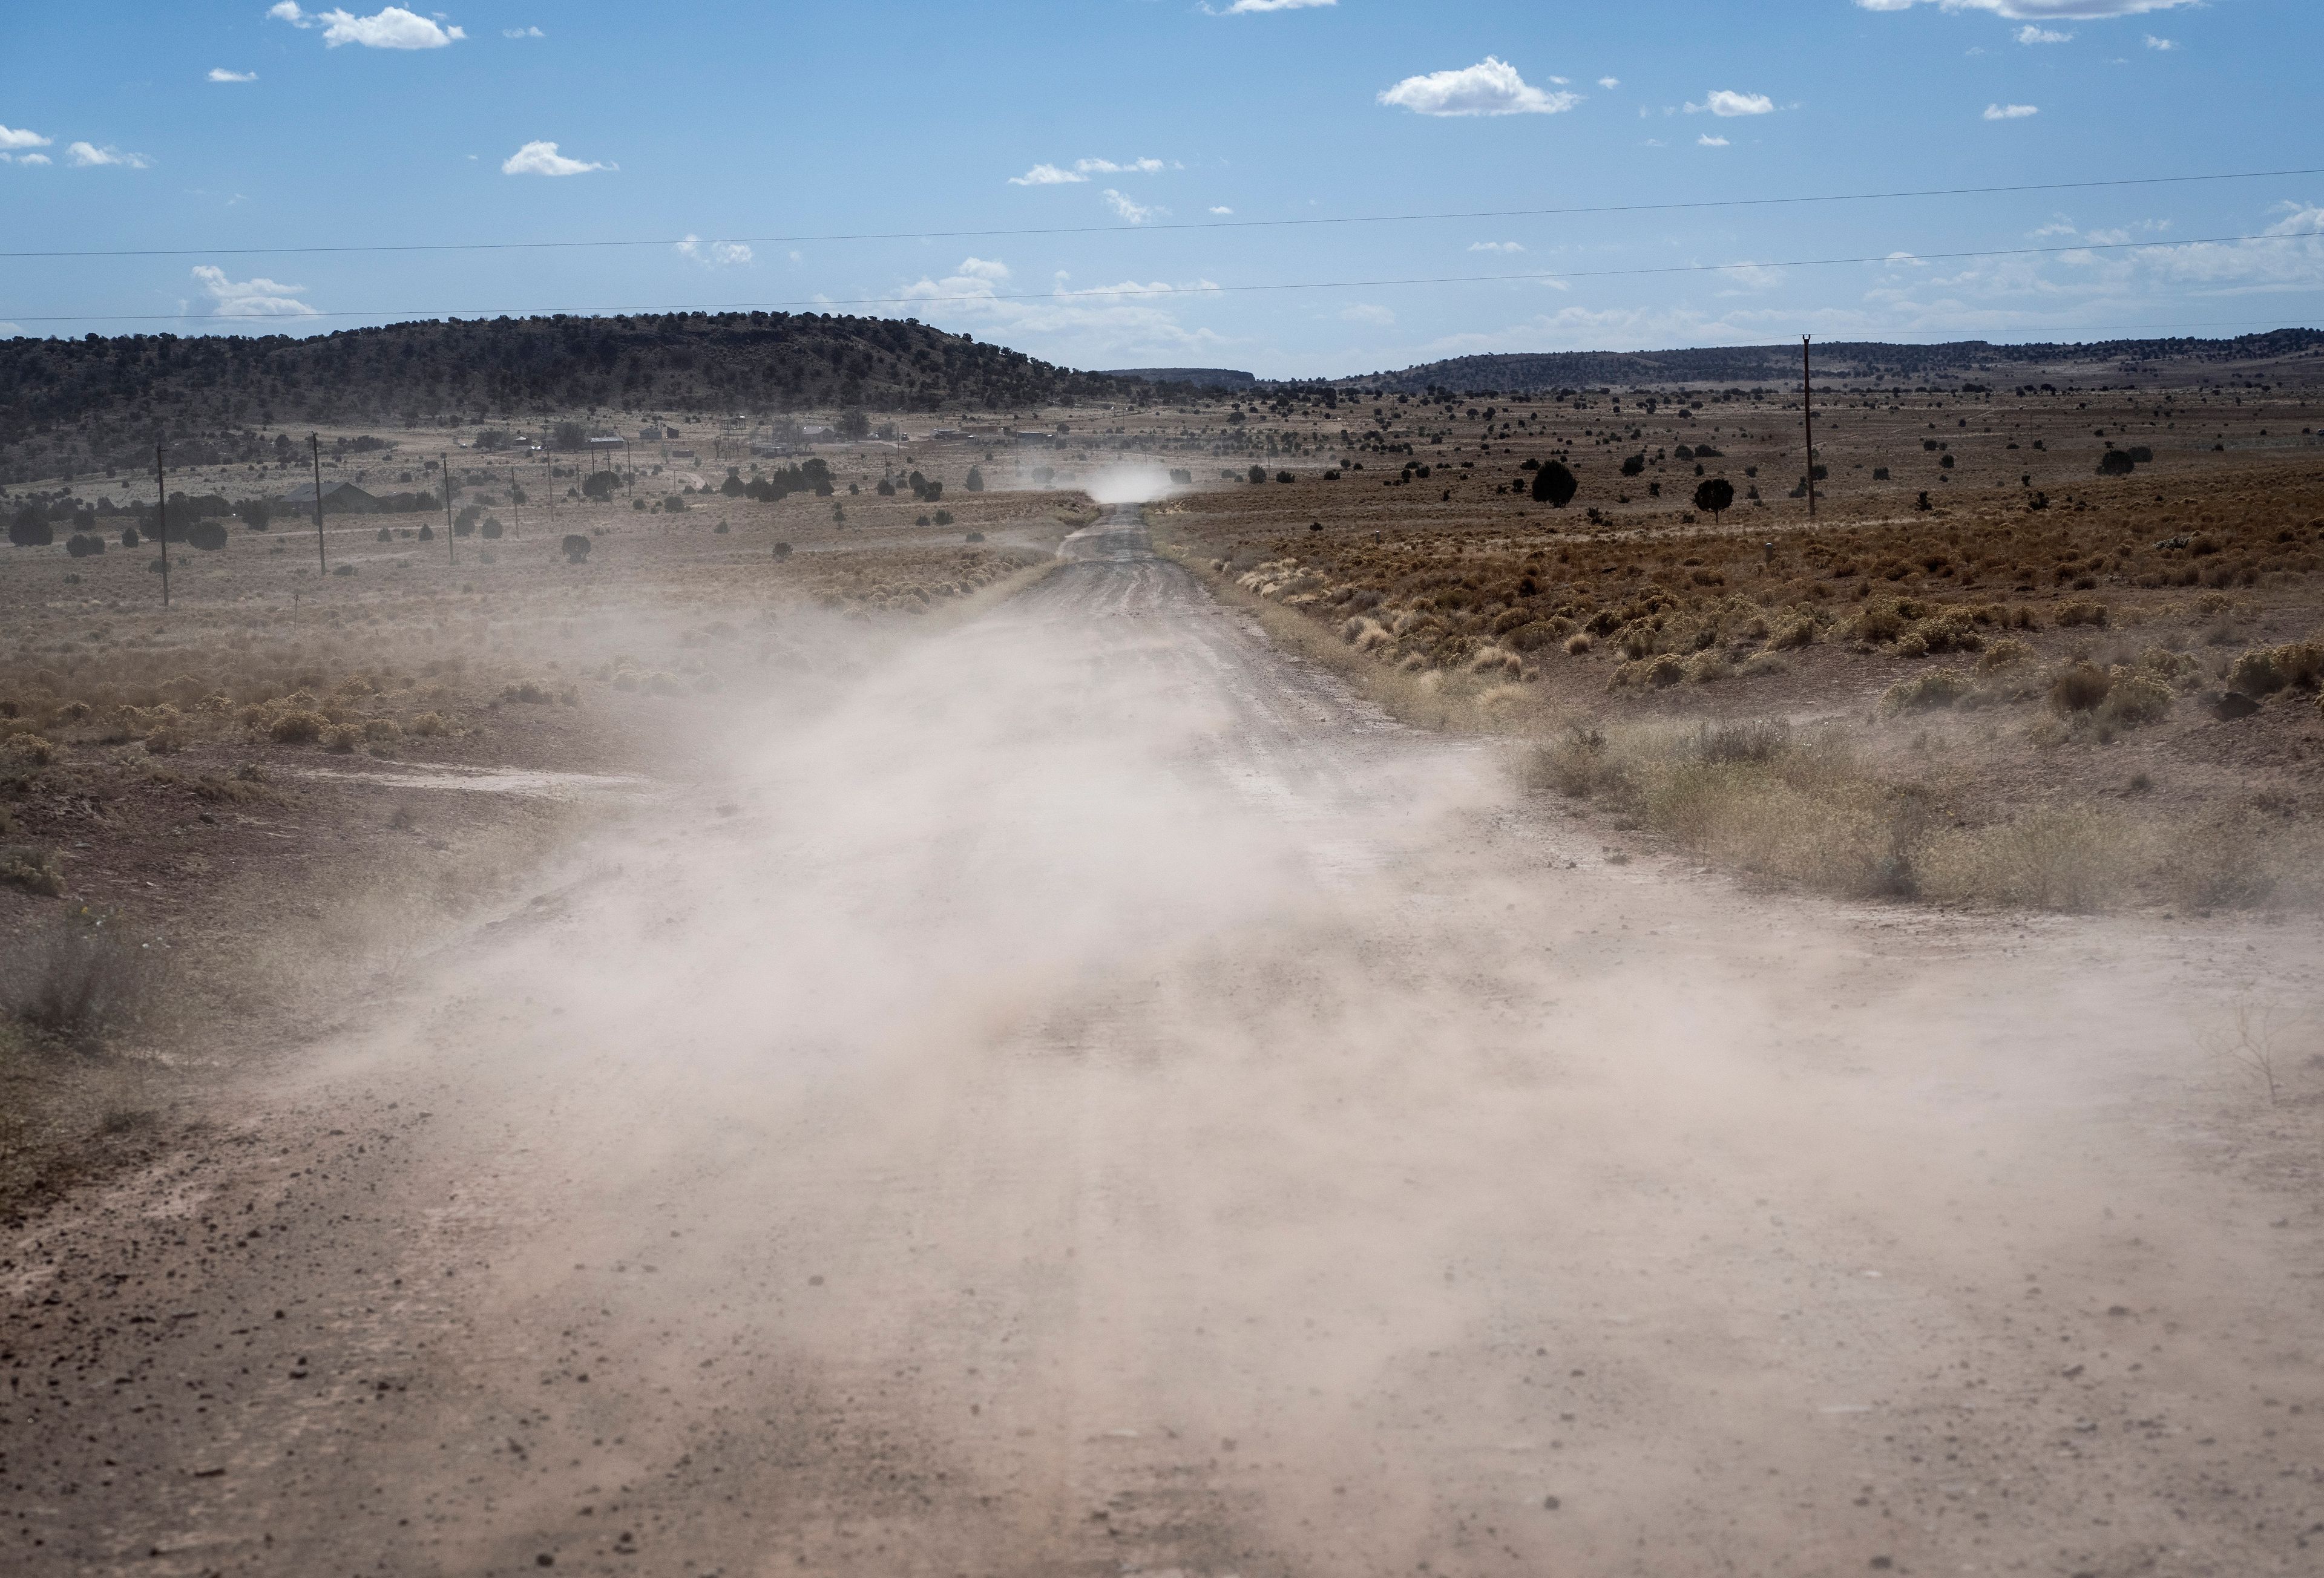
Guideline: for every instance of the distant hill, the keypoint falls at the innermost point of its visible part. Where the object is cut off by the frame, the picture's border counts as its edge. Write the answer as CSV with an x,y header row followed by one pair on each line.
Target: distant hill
x,y
81,405
1200,377
1728,366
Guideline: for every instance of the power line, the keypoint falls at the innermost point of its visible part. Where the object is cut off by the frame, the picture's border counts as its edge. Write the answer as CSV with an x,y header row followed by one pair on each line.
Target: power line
x,y
1135,292
1216,224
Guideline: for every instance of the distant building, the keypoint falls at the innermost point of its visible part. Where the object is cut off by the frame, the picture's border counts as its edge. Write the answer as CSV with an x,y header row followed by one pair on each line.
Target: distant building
x,y
339,499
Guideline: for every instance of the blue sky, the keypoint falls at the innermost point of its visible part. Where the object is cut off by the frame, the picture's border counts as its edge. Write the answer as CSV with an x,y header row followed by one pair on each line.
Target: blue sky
x,y
201,128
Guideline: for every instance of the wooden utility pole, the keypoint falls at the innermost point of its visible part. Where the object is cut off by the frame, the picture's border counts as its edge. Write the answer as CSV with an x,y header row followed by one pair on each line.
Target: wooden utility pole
x,y
161,519
444,465
516,511
1807,414
322,555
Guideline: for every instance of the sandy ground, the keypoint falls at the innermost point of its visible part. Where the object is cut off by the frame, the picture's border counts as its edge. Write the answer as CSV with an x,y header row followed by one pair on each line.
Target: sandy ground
x,y
1096,1097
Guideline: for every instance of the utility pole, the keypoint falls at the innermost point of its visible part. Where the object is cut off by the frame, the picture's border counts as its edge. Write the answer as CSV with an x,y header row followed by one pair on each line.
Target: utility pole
x,y
161,519
516,513
1807,414
444,465
322,555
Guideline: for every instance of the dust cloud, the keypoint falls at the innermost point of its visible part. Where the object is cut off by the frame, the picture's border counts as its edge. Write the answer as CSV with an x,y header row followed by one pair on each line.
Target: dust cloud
x,y
1083,1092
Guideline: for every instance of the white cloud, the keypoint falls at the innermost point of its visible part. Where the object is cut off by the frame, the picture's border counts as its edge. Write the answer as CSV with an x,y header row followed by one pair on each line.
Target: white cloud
x,y
2155,43
1221,208
1136,212
1609,83
220,74
523,32
2010,112
26,159
1249,8
253,297
392,28
1051,175
1749,277
1707,141
2030,34
2038,10
1496,246
1368,312
1130,316
542,158
1490,88
15,138
713,253
1727,103
85,155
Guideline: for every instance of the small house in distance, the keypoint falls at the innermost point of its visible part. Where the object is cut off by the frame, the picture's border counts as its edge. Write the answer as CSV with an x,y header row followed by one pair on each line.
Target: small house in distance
x,y
339,499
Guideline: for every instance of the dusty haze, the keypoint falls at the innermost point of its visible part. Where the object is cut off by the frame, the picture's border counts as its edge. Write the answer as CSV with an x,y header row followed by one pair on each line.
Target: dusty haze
x,y
1084,1093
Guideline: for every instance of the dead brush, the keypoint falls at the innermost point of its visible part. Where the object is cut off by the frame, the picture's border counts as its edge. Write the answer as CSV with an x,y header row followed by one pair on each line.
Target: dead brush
x,y
80,977
1575,764
2255,1041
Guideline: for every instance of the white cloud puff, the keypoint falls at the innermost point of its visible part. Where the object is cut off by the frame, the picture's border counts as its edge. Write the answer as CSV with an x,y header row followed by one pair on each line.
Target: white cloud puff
x,y
1727,103
2155,43
1129,316
20,139
1250,7
84,155
1496,247
1366,312
2038,10
1609,83
220,74
1136,212
1490,88
2010,112
1707,141
1220,208
715,254
542,158
1053,175
391,28
523,32
2030,34
253,297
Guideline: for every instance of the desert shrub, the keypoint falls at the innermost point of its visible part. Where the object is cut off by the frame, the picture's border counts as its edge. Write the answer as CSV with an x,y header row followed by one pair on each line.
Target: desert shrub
x,y
2006,653
429,724
1939,687
32,868
342,738
1663,671
1757,740
529,691
2068,858
1792,632
2080,687
575,547
2224,862
1575,764
2264,670
1706,666
78,977
2071,614
1577,644
2134,699
383,730
31,750
297,726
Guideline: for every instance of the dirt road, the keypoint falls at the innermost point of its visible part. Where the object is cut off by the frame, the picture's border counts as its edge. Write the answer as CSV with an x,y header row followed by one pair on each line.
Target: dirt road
x,y
1098,1098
